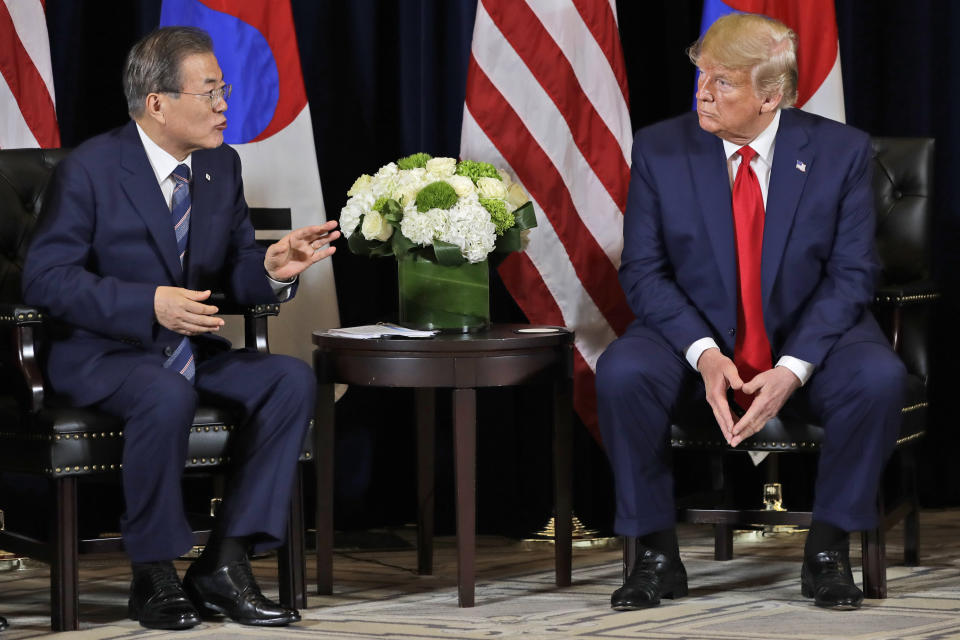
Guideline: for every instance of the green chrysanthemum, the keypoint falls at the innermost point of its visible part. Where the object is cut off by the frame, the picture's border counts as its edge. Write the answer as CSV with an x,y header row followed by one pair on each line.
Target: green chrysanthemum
x,y
436,195
476,170
416,161
501,218
380,203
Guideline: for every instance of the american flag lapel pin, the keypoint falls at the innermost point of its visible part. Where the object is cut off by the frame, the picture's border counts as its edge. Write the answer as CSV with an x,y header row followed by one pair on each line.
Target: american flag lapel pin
x,y
801,166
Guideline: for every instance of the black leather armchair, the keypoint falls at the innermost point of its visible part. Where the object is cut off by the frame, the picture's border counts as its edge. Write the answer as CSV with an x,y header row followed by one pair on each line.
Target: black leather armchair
x,y
903,176
40,435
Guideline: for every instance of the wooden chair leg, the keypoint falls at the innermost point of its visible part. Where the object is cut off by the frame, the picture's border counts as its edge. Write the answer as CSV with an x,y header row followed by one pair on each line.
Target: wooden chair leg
x,y
291,558
874,563
64,595
323,433
911,522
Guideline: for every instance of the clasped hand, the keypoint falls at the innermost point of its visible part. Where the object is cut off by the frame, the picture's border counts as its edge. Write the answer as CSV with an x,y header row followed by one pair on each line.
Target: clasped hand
x,y
182,311
771,390
289,256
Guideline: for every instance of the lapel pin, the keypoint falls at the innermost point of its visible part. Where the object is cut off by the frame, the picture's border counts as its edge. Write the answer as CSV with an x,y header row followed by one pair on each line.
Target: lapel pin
x,y
801,167
207,175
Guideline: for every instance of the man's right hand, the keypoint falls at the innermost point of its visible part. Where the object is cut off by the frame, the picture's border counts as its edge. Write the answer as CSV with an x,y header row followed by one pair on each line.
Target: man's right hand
x,y
182,311
719,374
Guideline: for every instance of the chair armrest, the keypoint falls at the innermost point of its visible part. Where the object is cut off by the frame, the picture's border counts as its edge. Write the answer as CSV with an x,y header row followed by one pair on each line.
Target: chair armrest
x,y
21,322
254,319
910,293
15,315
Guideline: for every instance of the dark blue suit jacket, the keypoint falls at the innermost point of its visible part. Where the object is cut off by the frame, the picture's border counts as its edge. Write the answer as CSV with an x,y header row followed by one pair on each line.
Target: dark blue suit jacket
x,y
818,268
106,241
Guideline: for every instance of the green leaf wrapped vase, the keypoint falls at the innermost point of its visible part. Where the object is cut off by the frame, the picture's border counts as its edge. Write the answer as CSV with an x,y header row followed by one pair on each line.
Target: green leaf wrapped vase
x,y
441,219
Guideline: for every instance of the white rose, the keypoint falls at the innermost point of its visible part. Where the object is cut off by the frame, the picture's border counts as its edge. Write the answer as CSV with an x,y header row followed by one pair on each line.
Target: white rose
x,y
491,188
360,184
406,194
505,178
441,166
462,185
374,227
516,197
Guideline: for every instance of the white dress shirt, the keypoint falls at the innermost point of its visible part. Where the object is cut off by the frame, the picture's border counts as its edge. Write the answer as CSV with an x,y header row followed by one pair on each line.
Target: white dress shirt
x,y
163,165
762,164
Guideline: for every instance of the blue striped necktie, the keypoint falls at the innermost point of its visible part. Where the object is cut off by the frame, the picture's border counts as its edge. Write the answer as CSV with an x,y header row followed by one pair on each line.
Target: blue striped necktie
x,y
182,357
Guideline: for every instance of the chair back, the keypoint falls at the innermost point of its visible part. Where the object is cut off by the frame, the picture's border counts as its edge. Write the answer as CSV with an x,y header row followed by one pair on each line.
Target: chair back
x,y
903,196
24,176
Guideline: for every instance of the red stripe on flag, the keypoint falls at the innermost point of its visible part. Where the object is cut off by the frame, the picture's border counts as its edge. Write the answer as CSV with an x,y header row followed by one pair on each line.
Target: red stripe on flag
x,y
509,135
524,283
547,62
599,18
26,84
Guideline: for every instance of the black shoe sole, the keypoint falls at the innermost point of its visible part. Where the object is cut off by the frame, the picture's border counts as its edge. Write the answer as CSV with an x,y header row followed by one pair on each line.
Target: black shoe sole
x,y
209,610
807,592
186,624
679,592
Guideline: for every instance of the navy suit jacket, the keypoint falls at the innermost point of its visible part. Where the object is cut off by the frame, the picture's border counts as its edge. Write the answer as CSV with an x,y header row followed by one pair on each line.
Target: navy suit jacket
x,y
818,267
105,242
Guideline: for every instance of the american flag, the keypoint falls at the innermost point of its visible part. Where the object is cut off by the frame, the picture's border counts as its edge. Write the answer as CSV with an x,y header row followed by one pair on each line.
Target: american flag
x,y
547,99
28,117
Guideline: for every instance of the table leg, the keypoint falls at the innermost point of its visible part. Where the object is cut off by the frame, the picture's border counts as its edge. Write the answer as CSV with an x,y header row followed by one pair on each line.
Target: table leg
x,y
426,461
562,474
465,461
323,451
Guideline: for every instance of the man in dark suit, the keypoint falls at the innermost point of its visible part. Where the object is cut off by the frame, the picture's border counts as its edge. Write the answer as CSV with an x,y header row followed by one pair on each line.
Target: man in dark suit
x,y
141,223
748,260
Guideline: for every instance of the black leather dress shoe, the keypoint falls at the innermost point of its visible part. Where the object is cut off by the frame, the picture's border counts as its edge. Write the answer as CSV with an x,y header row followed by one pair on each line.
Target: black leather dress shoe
x,y
3,623
157,599
231,590
827,578
654,576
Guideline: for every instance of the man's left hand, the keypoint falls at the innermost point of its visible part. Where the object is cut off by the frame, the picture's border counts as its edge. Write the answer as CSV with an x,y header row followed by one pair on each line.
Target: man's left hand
x,y
289,256
772,389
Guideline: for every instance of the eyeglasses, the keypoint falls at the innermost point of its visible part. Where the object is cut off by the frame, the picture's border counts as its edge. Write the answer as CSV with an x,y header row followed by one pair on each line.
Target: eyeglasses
x,y
214,96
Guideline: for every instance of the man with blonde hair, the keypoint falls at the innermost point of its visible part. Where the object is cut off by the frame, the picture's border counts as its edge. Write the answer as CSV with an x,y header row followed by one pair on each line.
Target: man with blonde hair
x,y
748,261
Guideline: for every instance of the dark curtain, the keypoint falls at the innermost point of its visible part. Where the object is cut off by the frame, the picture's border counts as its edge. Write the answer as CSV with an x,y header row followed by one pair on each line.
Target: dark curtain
x,y
385,78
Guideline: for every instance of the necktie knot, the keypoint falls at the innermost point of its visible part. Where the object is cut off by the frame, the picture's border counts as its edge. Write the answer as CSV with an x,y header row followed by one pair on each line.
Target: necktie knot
x,y
747,153
181,173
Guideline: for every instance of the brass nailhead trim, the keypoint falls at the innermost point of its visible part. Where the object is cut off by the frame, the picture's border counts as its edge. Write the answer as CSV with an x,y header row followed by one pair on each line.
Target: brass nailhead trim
x,y
914,407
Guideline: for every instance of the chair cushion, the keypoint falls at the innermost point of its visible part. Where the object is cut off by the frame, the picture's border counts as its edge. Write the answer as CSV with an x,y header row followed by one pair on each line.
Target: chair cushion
x,y
76,441
790,432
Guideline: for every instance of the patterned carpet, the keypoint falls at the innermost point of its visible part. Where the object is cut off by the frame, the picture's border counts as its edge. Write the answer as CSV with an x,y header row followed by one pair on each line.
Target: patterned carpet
x,y
378,595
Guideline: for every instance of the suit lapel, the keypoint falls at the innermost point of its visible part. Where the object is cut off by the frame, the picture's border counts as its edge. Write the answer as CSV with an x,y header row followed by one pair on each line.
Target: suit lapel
x,y
712,184
140,185
792,159
204,198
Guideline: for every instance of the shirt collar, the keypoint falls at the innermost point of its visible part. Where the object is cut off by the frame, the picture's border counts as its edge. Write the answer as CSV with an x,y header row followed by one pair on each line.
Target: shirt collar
x,y
762,144
161,162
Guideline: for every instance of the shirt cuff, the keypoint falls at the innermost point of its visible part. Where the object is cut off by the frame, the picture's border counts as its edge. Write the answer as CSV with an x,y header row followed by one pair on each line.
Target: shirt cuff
x,y
282,289
696,350
800,368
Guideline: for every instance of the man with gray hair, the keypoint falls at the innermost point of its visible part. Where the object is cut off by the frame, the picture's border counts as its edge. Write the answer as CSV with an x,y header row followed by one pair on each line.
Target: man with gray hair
x,y
140,224
748,261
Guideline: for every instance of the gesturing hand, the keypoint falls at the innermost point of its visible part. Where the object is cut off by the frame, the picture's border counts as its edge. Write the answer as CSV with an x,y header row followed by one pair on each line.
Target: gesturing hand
x,y
772,388
293,253
719,374
182,310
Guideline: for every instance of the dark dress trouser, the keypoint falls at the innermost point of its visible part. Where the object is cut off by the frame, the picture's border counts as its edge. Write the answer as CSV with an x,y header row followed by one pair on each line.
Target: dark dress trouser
x,y
856,394
274,393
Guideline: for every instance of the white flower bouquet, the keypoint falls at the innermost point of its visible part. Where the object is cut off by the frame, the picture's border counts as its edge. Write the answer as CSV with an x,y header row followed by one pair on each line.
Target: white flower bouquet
x,y
445,211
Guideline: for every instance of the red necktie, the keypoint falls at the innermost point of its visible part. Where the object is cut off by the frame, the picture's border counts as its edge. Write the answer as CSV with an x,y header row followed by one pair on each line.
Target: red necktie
x,y
751,352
